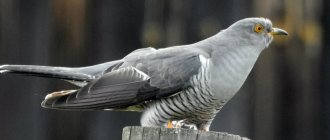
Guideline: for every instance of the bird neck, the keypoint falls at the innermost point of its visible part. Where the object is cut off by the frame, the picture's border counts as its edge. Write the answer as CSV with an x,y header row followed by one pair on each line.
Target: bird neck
x,y
231,62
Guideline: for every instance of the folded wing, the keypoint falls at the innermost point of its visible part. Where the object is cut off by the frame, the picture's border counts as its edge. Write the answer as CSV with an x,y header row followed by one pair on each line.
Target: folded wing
x,y
146,78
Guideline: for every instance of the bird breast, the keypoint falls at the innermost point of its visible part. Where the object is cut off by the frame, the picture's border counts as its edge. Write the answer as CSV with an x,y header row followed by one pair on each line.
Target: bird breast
x,y
229,70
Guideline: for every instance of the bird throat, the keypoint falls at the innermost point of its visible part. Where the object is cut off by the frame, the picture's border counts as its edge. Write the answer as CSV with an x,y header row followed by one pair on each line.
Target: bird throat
x,y
230,70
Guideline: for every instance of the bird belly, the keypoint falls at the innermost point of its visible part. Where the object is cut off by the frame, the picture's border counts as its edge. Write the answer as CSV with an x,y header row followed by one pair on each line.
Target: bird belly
x,y
188,106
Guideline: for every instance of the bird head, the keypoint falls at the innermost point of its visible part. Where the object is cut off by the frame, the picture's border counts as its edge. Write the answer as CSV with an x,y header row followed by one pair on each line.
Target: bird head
x,y
258,31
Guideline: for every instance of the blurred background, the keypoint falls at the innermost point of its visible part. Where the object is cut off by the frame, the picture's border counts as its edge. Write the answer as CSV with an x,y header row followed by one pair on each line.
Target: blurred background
x,y
286,97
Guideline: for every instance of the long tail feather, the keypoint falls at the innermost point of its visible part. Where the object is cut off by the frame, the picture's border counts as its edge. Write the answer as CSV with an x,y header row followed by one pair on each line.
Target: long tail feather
x,y
46,71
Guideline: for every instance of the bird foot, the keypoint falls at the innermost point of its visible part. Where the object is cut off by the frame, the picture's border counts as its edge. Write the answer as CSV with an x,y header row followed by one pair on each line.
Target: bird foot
x,y
180,124
189,126
169,124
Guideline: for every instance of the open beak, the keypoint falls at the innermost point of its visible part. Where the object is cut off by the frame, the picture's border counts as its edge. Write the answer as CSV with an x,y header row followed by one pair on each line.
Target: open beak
x,y
278,31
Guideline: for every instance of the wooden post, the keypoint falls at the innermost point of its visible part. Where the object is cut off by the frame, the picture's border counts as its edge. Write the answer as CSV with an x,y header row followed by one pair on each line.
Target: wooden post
x,y
153,133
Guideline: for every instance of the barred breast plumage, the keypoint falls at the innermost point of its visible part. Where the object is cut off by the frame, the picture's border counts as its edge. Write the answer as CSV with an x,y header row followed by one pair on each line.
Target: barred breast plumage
x,y
196,105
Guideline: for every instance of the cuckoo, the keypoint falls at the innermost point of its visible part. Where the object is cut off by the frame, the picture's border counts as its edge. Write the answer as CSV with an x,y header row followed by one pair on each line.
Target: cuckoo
x,y
177,86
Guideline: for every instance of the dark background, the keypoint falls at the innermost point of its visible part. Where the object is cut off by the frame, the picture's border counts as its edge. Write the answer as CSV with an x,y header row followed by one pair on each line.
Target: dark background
x,y
286,97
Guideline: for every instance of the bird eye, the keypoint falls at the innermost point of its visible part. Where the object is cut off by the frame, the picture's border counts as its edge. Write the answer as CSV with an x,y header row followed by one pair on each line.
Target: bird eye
x,y
258,28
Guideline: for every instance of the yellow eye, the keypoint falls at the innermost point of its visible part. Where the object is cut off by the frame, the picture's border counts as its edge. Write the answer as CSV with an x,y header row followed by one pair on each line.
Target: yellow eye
x,y
258,28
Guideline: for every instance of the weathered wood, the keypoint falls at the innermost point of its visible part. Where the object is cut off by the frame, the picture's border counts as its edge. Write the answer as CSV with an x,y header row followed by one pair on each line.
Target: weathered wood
x,y
126,133
153,133
137,132
150,133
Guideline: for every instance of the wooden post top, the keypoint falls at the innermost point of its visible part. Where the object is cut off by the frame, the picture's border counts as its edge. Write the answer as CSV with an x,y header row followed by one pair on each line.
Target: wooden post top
x,y
160,133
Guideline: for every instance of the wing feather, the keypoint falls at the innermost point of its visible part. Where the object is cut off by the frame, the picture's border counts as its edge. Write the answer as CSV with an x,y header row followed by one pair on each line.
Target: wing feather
x,y
144,76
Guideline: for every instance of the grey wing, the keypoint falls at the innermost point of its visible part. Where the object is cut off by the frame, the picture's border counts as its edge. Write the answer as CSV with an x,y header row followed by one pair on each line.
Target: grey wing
x,y
140,78
169,69
117,89
171,74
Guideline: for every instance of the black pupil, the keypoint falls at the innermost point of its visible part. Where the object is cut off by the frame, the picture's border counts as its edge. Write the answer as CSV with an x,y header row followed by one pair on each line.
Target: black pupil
x,y
259,28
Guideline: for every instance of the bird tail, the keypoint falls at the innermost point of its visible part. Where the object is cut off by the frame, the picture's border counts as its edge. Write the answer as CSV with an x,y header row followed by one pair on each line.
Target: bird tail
x,y
64,100
64,73
80,74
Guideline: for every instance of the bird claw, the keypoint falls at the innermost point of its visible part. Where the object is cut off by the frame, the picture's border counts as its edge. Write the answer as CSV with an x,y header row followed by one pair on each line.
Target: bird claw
x,y
174,124
190,126
180,124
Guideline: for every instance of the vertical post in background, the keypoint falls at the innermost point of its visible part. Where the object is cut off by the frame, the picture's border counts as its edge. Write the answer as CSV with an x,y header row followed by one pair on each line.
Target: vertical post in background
x,y
325,71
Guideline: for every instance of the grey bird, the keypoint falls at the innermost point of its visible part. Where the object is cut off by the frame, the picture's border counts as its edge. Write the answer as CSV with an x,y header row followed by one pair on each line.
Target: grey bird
x,y
186,84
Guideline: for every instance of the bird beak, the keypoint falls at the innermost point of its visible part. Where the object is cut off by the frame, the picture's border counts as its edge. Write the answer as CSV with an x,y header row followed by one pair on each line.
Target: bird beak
x,y
278,31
